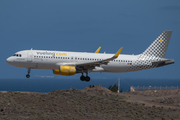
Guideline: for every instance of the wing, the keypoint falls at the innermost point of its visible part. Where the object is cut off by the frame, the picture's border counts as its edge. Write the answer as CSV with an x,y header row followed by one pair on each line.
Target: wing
x,y
98,63
92,65
97,51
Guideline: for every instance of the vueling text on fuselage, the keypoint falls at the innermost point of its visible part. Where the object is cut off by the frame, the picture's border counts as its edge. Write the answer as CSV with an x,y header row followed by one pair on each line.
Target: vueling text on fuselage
x,y
51,53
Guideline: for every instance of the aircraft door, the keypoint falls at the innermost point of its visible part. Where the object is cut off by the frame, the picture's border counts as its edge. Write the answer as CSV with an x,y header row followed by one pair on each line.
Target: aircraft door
x,y
29,56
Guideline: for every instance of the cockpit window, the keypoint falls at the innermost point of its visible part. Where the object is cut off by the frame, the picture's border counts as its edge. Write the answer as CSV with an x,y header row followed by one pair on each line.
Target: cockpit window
x,y
17,55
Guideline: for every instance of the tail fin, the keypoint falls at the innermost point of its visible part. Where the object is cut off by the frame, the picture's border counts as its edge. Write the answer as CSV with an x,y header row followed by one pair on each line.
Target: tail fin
x,y
159,47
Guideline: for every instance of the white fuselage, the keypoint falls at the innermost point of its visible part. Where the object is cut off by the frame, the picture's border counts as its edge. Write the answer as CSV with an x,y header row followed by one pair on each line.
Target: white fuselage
x,y
41,59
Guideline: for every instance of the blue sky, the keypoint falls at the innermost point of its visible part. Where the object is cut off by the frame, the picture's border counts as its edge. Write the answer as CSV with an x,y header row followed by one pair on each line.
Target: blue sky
x,y
82,25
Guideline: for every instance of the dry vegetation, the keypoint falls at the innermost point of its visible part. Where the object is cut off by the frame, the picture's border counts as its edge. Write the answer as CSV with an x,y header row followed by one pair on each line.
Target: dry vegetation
x,y
90,103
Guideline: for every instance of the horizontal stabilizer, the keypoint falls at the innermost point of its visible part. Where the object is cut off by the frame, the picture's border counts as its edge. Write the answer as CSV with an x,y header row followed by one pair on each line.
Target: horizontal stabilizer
x,y
163,62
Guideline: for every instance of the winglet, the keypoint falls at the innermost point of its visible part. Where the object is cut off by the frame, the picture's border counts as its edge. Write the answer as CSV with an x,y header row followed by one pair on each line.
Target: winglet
x,y
97,51
118,52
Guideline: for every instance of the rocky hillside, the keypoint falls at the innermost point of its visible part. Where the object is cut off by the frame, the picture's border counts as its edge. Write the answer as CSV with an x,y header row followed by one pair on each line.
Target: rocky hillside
x,y
90,103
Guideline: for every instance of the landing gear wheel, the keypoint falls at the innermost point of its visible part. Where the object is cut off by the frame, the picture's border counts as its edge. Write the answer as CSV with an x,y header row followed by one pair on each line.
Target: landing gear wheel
x,y
82,78
28,76
87,78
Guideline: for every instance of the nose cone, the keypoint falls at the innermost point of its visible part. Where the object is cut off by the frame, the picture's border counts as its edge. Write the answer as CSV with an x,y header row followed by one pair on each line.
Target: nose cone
x,y
9,60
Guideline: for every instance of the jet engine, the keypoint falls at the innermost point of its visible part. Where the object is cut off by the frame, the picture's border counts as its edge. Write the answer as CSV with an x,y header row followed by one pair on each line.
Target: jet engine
x,y
65,70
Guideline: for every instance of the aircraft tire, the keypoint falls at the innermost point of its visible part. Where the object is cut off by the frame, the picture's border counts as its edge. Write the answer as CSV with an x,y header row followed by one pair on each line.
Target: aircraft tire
x,y
27,76
82,78
87,78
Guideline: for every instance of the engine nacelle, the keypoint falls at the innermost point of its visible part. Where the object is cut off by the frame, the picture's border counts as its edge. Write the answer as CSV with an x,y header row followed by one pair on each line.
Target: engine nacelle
x,y
65,70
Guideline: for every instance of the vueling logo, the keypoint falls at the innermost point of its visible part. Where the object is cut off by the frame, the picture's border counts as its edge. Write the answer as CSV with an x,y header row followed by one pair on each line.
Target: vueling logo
x,y
61,54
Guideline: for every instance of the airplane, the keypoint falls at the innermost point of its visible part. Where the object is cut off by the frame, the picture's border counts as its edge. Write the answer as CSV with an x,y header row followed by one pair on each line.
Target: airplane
x,y
70,63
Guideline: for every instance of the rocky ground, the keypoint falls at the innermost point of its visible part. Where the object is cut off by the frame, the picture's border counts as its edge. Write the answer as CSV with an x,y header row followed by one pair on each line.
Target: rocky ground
x,y
95,103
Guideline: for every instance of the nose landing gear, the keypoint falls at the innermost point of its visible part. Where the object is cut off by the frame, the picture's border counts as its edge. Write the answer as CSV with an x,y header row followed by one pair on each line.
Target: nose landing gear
x,y
28,76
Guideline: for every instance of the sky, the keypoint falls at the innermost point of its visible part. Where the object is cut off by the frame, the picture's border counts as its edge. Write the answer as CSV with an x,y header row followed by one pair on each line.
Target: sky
x,y
83,26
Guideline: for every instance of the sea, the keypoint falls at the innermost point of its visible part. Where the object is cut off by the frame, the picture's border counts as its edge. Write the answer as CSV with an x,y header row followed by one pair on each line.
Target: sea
x,y
45,85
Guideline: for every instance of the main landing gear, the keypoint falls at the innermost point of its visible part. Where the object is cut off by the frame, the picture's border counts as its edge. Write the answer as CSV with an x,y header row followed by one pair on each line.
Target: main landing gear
x,y
28,76
83,78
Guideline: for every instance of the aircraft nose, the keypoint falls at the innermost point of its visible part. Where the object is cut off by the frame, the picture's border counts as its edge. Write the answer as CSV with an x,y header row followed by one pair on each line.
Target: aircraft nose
x,y
9,60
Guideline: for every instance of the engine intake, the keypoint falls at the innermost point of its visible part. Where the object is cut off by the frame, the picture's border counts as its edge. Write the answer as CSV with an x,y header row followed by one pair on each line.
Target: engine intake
x,y
65,70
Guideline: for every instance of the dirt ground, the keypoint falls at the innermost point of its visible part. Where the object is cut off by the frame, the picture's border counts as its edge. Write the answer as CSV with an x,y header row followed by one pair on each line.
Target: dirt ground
x,y
161,98
97,103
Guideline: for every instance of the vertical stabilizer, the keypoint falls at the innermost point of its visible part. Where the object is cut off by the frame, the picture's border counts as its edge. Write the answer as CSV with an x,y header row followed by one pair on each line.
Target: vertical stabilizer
x,y
159,47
